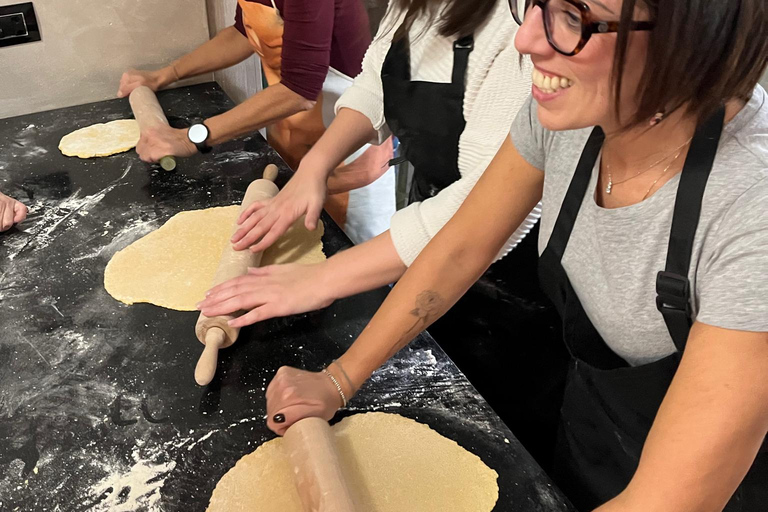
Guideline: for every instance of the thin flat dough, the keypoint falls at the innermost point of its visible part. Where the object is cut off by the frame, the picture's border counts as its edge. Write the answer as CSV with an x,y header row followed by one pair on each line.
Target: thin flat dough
x,y
101,139
392,464
174,266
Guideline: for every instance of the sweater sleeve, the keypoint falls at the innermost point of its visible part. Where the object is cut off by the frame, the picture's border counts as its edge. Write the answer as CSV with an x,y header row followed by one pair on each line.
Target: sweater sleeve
x,y
366,94
501,93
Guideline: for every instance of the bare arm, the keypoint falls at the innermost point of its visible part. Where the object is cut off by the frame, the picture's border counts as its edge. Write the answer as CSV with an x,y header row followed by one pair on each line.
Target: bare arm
x,y
280,290
444,270
349,131
272,104
708,429
225,49
454,259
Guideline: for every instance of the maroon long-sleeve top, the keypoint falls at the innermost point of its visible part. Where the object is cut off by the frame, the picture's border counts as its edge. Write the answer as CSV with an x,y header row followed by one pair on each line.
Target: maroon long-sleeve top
x,y
318,34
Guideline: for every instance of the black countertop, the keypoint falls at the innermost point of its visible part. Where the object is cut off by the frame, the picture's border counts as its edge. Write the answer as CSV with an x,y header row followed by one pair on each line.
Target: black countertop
x,y
98,406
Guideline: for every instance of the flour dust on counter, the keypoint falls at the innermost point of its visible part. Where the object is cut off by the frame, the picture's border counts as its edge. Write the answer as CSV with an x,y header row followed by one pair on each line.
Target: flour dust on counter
x,y
419,378
98,407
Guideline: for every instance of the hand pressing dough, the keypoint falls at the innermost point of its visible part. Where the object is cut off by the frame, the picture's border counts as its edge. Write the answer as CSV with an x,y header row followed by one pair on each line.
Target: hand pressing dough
x,y
391,463
101,139
174,266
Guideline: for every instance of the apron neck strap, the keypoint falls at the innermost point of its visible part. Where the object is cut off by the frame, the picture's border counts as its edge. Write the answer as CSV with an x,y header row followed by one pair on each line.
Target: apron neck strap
x,y
461,50
561,233
673,290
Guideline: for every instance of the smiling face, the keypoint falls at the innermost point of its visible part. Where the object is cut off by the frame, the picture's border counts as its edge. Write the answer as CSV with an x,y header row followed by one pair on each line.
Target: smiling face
x,y
578,91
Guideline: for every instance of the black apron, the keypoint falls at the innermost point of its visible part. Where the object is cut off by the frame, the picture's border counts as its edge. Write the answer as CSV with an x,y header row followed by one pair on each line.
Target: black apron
x,y
609,406
426,117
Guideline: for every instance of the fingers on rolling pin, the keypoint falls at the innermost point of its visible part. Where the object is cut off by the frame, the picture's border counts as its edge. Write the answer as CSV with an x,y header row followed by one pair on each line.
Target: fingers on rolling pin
x,y
206,366
215,332
148,112
317,473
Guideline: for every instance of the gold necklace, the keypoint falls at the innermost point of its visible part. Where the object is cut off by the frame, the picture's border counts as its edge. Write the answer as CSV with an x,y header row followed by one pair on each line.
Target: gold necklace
x,y
662,174
611,183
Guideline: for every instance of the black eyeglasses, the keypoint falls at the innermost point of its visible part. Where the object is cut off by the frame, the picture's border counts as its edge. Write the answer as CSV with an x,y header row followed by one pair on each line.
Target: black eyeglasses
x,y
568,24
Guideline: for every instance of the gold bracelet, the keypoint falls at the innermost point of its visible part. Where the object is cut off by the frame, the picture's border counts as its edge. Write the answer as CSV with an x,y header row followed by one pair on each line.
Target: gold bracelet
x,y
344,373
338,386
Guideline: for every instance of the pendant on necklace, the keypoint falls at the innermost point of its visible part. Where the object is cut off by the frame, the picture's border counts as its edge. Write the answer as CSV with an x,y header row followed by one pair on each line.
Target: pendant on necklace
x,y
609,186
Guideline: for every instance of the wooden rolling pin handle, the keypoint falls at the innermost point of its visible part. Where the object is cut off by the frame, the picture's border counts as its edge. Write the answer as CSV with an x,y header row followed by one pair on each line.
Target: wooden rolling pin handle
x,y
270,172
206,366
232,264
148,113
168,163
317,473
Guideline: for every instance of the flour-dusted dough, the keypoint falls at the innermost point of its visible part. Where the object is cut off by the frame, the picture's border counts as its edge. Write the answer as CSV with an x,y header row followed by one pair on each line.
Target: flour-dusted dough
x,y
392,464
101,139
174,266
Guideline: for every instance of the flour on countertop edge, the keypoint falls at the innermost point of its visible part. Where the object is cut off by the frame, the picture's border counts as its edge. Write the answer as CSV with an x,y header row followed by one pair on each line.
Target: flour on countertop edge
x,y
127,488
48,216
399,384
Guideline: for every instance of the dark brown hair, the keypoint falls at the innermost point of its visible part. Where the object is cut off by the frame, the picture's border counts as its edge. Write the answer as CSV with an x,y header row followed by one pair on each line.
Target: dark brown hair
x,y
701,54
458,17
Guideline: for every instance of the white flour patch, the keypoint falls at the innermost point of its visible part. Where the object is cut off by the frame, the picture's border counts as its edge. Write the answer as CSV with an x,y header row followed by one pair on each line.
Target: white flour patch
x,y
129,488
416,379
48,217
134,230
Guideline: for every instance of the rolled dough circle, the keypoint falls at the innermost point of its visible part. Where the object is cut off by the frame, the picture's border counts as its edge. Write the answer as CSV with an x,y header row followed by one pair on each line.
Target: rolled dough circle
x,y
101,139
175,265
391,463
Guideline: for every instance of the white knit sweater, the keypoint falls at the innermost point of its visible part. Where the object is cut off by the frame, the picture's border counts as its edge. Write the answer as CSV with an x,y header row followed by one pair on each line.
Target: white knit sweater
x,y
496,89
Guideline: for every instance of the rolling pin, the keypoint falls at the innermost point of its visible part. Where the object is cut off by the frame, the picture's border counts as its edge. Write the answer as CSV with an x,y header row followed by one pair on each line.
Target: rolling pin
x,y
214,332
317,473
148,113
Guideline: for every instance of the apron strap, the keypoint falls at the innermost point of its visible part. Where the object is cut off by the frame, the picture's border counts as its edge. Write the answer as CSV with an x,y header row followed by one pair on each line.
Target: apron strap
x,y
461,50
673,289
566,219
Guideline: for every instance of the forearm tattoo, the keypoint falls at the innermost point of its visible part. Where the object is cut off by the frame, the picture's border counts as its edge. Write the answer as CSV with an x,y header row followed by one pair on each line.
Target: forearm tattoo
x,y
429,306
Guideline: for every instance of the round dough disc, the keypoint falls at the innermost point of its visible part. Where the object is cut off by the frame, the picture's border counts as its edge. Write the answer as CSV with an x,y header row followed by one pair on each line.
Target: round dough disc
x,y
101,139
175,265
391,463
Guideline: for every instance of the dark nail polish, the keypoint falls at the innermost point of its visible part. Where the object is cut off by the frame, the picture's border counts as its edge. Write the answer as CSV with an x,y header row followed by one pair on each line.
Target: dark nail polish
x,y
279,418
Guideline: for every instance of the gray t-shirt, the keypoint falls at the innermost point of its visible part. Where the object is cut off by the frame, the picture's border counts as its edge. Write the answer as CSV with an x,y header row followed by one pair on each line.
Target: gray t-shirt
x,y
614,254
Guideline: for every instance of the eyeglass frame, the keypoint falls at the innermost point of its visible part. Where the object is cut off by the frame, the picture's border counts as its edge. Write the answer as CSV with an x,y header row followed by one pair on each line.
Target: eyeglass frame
x,y
588,25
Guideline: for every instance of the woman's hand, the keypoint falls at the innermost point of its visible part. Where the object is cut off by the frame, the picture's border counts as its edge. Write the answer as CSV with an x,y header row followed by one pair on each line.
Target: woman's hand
x,y
268,292
11,212
134,78
265,221
161,140
298,394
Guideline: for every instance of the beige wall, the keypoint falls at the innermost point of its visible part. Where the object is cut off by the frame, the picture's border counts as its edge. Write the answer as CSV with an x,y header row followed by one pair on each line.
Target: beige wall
x,y
243,80
88,43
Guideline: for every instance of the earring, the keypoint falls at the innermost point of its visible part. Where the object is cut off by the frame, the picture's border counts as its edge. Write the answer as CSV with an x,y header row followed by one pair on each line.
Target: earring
x,y
656,119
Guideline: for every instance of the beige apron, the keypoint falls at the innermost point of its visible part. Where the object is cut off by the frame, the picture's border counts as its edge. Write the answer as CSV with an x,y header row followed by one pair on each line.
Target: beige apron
x,y
362,213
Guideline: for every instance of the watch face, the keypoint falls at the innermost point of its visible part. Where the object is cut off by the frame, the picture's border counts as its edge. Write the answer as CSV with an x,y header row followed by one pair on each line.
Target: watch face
x,y
198,133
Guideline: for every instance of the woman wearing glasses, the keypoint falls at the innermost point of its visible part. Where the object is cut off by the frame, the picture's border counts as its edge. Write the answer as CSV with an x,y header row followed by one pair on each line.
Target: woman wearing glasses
x,y
444,77
646,142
